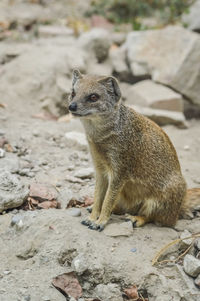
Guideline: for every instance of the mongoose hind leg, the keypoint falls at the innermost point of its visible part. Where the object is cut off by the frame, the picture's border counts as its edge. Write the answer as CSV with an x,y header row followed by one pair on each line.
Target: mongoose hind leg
x,y
137,220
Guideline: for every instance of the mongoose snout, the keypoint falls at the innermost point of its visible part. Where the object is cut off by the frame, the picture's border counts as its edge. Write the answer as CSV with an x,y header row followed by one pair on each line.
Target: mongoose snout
x,y
73,107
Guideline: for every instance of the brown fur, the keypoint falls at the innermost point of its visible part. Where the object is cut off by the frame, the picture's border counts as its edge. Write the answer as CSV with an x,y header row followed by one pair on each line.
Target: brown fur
x,y
137,168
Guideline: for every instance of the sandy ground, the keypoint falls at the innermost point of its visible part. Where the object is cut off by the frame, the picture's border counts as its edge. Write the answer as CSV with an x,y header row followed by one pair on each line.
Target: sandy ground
x,y
52,238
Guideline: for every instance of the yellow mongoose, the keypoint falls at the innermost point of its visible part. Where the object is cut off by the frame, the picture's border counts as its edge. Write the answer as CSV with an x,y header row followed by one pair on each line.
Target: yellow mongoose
x,y
137,169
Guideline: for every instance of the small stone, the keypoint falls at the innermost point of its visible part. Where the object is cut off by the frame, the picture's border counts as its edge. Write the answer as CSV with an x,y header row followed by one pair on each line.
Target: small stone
x,y
77,139
12,191
85,173
74,212
16,219
19,225
186,242
36,133
197,281
191,265
7,272
43,191
197,243
186,147
80,264
2,153
123,229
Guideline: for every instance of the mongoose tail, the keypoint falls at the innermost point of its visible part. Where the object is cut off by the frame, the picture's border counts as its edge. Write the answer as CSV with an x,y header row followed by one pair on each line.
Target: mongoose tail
x,y
191,203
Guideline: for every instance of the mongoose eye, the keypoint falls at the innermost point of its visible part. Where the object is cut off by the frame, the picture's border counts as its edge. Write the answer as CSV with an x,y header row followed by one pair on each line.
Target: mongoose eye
x,y
73,94
93,97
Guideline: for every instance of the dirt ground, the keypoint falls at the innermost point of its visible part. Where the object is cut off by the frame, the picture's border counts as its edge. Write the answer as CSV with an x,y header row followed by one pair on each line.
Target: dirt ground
x,y
50,239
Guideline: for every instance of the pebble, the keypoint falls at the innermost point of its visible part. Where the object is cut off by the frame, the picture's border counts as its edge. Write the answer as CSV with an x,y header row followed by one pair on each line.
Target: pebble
x,y
186,242
84,173
197,243
197,281
2,153
186,147
191,265
7,272
119,229
16,219
74,212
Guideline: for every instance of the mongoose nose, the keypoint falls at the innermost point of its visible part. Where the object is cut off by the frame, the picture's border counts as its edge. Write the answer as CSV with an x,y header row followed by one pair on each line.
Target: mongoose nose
x,y
73,107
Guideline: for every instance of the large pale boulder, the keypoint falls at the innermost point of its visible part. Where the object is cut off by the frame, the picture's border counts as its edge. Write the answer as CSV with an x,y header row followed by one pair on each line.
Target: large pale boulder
x,y
149,94
42,74
192,19
170,55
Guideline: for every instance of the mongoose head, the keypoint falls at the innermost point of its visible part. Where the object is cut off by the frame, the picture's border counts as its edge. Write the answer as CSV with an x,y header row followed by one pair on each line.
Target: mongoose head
x,y
93,95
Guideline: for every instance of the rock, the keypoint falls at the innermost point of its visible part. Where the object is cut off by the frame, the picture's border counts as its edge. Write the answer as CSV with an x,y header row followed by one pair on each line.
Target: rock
x,y
197,243
80,264
162,117
16,219
52,31
188,284
187,242
192,19
43,192
109,292
13,192
149,94
96,41
38,71
85,173
123,229
74,212
180,68
117,56
197,281
77,139
2,153
118,38
191,265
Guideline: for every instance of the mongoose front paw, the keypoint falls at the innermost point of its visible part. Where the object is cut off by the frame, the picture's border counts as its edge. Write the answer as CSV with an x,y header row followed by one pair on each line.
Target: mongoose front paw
x,y
137,221
89,209
86,222
97,227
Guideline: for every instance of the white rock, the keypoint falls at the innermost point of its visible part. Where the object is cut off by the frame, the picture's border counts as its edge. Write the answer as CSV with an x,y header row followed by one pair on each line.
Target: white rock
x,y
116,229
77,139
170,56
85,173
80,264
74,212
197,243
162,117
186,242
12,192
192,19
197,281
117,58
35,74
2,153
191,265
149,94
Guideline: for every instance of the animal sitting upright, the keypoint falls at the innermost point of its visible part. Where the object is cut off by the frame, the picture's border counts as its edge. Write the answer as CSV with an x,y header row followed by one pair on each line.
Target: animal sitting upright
x,y
137,168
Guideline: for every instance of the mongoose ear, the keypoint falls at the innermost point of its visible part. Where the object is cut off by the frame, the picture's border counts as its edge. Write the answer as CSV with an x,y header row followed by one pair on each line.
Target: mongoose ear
x,y
112,86
76,75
